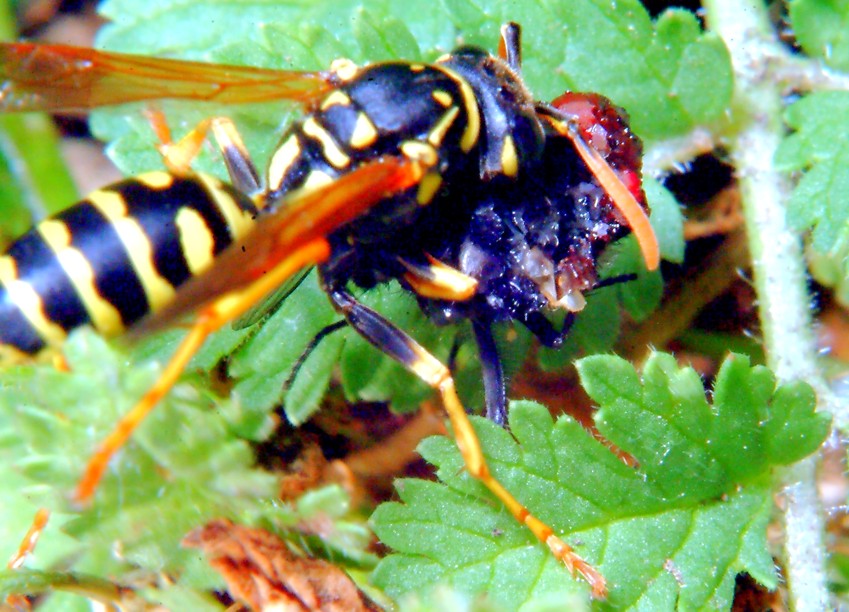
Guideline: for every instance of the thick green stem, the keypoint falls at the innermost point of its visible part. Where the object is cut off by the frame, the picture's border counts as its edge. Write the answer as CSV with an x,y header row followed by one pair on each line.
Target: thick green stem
x,y
779,273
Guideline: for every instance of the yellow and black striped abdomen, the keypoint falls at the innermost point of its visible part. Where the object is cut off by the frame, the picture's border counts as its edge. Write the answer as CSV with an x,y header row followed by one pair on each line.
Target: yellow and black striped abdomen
x,y
115,257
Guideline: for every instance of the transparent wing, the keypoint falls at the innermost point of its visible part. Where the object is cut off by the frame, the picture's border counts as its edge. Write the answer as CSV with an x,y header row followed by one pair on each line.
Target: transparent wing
x,y
272,302
61,78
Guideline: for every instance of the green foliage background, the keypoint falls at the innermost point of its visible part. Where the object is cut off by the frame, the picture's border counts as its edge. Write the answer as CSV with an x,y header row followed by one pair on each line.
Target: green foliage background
x,y
672,532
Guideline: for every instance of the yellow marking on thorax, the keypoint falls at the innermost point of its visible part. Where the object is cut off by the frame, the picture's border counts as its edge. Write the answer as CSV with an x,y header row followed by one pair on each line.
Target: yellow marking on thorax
x,y
442,97
428,186
365,132
157,289
417,67
473,117
438,131
28,302
156,180
344,69
431,181
283,158
332,152
104,316
440,281
509,157
196,239
420,151
239,220
335,98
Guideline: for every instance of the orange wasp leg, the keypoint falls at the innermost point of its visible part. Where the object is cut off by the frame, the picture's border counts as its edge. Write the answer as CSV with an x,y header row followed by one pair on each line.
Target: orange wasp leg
x,y
27,546
179,156
287,241
210,318
16,601
401,347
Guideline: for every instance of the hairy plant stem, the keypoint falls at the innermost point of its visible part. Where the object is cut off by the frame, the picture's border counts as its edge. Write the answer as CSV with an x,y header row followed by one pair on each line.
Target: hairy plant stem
x,y
778,268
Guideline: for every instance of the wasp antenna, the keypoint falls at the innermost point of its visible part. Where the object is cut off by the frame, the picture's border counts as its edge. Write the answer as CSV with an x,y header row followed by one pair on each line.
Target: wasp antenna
x,y
623,199
510,45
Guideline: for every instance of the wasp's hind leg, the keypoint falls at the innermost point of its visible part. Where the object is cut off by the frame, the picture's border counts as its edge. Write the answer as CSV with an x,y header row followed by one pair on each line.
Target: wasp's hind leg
x,y
292,241
178,156
401,347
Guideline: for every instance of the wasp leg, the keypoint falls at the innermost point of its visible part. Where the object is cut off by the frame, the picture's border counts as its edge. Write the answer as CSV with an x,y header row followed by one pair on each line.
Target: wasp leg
x,y
545,332
494,387
321,335
619,279
178,156
439,281
27,546
209,319
16,601
510,46
240,166
401,347
292,239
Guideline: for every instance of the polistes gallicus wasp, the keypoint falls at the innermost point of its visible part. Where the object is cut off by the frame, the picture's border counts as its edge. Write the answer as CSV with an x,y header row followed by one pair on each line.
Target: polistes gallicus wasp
x,y
449,177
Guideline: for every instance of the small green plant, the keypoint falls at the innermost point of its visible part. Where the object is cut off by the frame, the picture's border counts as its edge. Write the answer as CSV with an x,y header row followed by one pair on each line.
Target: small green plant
x,y
672,528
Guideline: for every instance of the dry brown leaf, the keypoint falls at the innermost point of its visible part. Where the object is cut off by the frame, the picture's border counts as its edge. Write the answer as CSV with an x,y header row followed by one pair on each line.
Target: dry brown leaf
x,y
264,574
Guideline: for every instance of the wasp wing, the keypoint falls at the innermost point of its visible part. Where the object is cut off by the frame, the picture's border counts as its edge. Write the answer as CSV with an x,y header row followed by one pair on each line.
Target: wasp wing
x,y
272,302
302,219
62,78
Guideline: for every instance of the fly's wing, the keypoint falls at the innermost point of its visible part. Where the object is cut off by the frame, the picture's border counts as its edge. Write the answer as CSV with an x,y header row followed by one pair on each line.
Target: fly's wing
x,y
62,78
302,219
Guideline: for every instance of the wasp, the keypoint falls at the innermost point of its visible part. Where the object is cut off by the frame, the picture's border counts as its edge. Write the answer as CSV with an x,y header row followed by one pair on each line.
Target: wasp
x,y
449,177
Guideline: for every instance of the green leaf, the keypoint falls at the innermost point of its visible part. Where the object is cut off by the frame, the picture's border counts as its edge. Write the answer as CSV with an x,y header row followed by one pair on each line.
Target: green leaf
x,y
185,465
384,38
831,269
820,200
190,460
822,29
264,363
674,531
670,76
666,220
34,181
595,329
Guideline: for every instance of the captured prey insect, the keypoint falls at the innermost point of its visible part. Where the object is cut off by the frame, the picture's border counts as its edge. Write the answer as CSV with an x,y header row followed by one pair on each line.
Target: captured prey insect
x,y
449,177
